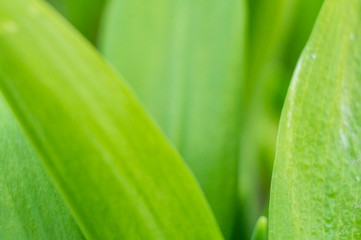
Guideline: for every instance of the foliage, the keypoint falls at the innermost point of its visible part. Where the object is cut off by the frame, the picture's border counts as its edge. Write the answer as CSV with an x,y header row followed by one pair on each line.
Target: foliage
x,y
160,122
81,117
204,128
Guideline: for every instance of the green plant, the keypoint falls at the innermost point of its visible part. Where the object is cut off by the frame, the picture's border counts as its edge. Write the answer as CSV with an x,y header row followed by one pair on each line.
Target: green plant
x,y
81,157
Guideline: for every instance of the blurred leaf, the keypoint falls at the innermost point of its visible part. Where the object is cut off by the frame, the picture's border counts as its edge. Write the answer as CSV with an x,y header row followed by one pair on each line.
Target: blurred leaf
x,y
185,60
83,14
260,230
30,206
316,180
115,170
278,32
270,22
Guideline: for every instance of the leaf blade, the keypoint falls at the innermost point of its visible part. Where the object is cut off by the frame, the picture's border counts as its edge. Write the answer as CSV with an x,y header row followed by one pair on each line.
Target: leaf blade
x,y
270,67
30,205
185,59
113,167
315,173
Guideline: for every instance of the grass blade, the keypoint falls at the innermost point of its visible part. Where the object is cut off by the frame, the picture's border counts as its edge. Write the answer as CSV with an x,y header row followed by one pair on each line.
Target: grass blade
x,y
112,165
184,59
316,180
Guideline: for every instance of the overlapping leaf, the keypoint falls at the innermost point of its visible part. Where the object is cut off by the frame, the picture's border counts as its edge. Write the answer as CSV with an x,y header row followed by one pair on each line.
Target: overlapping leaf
x,y
184,59
278,32
114,168
83,14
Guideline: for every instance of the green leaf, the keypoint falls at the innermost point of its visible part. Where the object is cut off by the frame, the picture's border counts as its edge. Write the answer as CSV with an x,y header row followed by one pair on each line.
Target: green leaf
x,y
184,59
316,181
30,206
270,22
83,14
278,32
115,170
260,230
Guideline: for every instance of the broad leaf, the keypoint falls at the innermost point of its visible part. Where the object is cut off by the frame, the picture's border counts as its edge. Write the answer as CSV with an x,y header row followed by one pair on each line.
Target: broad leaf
x,y
316,181
184,59
30,206
114,168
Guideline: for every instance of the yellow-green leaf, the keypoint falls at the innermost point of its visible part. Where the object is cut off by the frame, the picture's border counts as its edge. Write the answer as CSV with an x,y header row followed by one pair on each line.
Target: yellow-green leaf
x,y
115,170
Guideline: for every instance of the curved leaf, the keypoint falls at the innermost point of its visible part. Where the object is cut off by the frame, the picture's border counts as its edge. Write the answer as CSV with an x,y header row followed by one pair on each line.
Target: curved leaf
x,y
112,165
316,181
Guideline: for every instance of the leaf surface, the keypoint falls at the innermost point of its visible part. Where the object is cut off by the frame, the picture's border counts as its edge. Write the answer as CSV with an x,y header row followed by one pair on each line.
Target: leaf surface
x,y
30,205
278,32
184,59
116,171
316,181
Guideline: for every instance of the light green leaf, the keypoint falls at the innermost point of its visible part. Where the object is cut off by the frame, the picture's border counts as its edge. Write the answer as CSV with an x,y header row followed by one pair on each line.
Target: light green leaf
x,y
114,168
30,206
260,230
184,59
316,184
